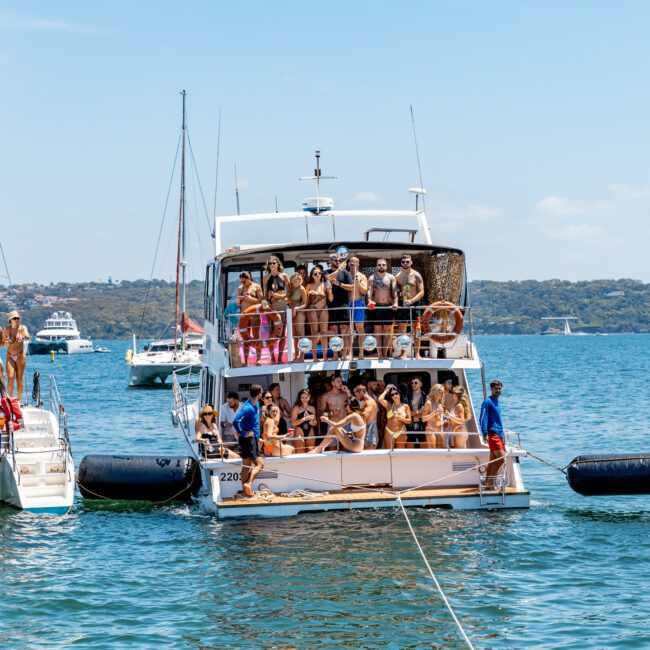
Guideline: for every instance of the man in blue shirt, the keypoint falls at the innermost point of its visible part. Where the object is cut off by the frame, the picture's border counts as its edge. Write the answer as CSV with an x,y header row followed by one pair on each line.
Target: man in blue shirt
x,y
492,432
247,424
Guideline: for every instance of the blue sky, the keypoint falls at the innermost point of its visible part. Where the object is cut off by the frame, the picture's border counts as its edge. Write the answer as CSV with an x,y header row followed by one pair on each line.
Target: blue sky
x,y
532,122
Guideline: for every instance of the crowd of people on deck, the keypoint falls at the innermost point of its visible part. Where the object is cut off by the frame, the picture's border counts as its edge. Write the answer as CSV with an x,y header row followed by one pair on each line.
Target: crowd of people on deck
x,y
13,337
331,415
337,301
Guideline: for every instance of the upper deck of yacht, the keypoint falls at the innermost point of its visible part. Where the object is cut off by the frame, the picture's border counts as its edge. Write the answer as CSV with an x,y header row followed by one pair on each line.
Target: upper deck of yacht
x,y
281,336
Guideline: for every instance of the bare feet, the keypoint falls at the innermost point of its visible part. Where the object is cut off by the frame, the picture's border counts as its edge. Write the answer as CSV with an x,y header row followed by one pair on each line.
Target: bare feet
x,y
248,490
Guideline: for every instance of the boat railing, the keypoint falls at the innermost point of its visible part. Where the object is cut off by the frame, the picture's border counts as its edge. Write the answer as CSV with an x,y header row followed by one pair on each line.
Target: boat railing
x,y
180,400
58,409
266,336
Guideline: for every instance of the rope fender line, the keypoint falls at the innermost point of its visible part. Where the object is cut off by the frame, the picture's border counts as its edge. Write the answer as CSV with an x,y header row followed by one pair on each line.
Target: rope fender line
x,y
541,460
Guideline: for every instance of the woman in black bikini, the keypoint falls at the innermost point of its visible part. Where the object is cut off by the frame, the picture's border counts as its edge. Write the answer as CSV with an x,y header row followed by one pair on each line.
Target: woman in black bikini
x,y
14,336
275,285
317,296
303,420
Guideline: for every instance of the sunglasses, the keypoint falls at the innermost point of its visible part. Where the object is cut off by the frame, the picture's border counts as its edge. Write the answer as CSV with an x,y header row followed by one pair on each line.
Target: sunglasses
x,y
413,383
406,262
317,273
268,396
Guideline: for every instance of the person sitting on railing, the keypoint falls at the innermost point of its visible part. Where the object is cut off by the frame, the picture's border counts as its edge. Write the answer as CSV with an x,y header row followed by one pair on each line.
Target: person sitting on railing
x,y
461,412
303,420
416,400
298,303
410,287
276,284
249,294
350,431
433,414
369,410
398,415
357,305
208,436
273,439
382,295
317,296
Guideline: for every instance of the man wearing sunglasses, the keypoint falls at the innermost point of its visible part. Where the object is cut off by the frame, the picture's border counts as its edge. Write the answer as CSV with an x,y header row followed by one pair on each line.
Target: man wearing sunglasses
x,y
410,287
382,298
339,312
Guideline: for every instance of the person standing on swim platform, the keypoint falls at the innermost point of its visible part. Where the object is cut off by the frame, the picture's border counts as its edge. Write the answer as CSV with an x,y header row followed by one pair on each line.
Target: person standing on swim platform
x,y
247,424
492,432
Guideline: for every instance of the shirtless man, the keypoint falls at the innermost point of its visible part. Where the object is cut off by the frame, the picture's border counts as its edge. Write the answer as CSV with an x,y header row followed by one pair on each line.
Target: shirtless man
x,y
249,294
332,403
410,287
358,307
369,410
382,293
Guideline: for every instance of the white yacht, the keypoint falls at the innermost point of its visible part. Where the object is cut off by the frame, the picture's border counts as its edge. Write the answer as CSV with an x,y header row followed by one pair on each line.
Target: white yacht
x,y
155,364
36,466
447,473
60,334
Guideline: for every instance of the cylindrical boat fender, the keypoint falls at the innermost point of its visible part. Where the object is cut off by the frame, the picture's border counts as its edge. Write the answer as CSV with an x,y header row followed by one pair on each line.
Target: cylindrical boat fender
x,y
605,474
139,478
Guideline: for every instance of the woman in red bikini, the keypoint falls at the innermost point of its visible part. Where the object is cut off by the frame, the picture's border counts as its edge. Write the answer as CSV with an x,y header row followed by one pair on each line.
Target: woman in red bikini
x,y
14,337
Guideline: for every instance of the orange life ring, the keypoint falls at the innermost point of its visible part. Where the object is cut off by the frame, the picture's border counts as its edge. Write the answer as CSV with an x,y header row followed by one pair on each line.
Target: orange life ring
x,y
274,318
439,311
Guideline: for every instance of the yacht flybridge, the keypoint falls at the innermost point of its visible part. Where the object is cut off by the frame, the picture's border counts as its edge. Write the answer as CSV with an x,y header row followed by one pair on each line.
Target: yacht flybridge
x,y
430,340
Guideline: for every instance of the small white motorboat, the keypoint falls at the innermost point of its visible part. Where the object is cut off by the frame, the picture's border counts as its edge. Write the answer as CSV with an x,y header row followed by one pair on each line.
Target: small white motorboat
x,y
36,466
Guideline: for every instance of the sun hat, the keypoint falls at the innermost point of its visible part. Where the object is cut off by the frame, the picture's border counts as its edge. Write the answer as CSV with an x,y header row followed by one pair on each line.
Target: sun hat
x,y
12,314
208,410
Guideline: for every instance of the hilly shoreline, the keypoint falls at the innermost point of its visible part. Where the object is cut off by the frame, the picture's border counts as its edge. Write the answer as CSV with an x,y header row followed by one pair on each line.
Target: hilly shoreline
x,y
115,310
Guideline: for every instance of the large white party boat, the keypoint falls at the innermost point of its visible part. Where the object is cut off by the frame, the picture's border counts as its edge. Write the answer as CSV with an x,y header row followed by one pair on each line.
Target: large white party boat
x,y
442,477
60,334
36,466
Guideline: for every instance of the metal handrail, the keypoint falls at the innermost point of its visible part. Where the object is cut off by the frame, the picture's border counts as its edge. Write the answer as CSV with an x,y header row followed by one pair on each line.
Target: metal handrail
x,y
229,333
56,406
181,405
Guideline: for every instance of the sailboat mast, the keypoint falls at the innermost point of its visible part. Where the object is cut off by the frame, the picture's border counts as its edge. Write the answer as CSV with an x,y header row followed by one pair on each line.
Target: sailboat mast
x,y
183,259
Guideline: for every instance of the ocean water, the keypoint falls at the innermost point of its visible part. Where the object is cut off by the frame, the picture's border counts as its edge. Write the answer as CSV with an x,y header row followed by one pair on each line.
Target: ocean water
x,y
571,572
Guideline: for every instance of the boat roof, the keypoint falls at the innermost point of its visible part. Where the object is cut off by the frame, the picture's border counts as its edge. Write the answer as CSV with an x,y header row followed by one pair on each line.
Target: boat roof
x,y
256,231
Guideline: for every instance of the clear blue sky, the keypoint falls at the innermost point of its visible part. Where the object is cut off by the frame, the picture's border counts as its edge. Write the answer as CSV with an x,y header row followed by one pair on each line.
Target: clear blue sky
x,y
532,117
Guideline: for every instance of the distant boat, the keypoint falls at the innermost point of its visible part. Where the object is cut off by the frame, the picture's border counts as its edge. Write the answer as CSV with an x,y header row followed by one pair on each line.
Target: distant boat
x,y
101,350
567,330
183,352
60,334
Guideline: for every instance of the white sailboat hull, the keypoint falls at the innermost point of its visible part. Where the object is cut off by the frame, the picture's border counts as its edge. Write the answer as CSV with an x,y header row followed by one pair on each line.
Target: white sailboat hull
x,y
151,368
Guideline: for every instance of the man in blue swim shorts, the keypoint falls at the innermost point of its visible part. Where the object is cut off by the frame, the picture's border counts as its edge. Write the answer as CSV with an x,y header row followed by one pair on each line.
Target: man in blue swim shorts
x,y
358,304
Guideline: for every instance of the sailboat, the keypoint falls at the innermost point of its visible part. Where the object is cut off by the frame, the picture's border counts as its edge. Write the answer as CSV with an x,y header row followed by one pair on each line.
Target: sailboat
x,y
156,363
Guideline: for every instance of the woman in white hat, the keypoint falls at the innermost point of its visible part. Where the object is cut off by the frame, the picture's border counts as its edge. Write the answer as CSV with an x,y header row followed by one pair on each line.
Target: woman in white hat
x,y
14,337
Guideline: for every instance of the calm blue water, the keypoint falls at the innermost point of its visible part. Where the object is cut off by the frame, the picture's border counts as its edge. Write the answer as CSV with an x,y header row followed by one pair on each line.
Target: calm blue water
x,y
572,572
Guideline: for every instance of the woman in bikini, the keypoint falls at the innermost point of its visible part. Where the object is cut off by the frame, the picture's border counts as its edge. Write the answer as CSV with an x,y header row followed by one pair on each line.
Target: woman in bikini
x,y
350,431
14,336
303,421
298,304
208,436
434,413
398,415
317,296
273,440
275,285
459,414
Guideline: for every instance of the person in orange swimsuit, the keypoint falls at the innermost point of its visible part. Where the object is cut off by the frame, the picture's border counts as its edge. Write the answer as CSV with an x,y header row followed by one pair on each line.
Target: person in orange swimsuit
x,y
14,338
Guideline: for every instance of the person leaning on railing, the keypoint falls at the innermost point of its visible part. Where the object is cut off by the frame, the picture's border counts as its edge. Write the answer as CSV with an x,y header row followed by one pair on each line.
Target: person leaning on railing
x,y
249,294
298,304
317,296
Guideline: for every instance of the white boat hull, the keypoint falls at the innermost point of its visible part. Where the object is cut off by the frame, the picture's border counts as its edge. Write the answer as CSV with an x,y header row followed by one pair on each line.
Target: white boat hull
x,y
79,346
344,481
38,474
155,368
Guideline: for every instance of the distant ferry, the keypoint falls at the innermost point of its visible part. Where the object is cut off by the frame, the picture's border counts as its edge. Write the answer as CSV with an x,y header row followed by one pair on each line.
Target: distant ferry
x,y
60,334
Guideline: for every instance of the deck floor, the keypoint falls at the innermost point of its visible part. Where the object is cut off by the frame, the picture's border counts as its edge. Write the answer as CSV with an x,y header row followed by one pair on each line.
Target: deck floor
x,y
356,495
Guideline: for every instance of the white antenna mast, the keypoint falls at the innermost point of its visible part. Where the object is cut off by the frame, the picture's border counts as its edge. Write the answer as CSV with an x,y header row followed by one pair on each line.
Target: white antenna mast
x,y
317,177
